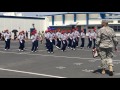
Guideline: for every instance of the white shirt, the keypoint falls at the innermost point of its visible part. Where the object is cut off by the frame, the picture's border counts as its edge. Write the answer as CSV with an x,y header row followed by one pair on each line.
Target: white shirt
x,y
58,34
73,35
7,36
21,37
94,35
33,37
64,36
82,35
89,34
70,36
47,35
77,33
51,37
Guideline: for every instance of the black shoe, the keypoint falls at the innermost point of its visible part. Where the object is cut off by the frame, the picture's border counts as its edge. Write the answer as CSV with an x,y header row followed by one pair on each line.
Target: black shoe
x,y
111,73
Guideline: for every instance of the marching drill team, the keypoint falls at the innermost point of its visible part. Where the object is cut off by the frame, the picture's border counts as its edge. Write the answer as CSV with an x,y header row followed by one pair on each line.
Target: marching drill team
x,y
61,39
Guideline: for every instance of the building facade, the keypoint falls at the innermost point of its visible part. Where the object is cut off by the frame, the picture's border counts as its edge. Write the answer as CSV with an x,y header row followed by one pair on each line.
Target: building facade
x,y
22,23
86,20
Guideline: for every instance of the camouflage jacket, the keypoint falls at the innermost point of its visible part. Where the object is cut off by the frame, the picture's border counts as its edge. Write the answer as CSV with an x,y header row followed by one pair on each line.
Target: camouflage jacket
x,y
106,38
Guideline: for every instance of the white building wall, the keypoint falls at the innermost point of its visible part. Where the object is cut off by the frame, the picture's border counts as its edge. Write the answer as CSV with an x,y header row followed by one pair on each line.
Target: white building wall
x,y
21,24
50,20
94,15
58,20
69,18
92,22
81,17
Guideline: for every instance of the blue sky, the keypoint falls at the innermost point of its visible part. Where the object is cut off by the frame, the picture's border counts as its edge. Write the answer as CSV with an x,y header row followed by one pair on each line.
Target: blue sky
x,y
42,13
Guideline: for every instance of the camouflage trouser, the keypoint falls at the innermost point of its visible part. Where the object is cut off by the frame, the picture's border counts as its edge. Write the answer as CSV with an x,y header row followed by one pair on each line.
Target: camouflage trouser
x,y
106,55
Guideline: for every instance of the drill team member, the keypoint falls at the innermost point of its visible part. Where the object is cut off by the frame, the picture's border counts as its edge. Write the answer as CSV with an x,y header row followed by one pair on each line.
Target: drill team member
x,y
53,33
104,43
58,35
47,39
73,40
38,38
69,39
89,39
7,37
82,38
21,41
34,42
50,42
77,36
64,41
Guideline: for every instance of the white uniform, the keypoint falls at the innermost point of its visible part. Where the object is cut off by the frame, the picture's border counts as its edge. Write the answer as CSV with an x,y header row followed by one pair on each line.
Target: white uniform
x,y
90,35
74,35
64,36
77,33
33,38
21,38
7,36
51,36
82,35
58,35
94,35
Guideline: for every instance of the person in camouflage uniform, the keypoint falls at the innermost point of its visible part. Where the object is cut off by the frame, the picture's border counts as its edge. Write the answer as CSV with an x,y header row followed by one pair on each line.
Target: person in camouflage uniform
x,y
105,41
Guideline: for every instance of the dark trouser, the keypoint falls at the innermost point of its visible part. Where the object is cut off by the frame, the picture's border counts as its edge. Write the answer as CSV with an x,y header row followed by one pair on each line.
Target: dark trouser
x,y
83,41
21,45
47,43
34,46
53,41
77,41
7,44
90,43
94,43
50,46
70,42
58,43
64,44
37,43
74,43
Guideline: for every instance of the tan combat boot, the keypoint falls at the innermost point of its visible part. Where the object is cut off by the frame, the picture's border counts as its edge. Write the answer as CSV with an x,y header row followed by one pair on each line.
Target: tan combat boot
x,y
103,71
111,70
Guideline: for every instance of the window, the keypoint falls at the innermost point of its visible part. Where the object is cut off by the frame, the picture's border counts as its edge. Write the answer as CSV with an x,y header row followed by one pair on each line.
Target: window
x,y
110,21
90,27
99,27
118,21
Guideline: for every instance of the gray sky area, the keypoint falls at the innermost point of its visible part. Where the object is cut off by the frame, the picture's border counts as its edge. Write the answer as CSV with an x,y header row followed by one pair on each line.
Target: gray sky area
x,y
44,13
35,13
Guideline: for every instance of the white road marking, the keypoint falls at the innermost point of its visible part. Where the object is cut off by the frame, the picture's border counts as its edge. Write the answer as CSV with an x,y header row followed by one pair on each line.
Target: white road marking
x,y
31,73
60,67
78,64
94,60
86,70
117,74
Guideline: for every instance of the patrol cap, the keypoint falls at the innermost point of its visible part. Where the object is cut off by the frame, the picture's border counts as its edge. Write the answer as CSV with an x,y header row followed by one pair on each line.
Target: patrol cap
x,y
106,21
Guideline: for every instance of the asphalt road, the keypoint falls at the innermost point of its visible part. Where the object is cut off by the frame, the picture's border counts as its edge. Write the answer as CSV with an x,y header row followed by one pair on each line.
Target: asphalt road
x,y
69,64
